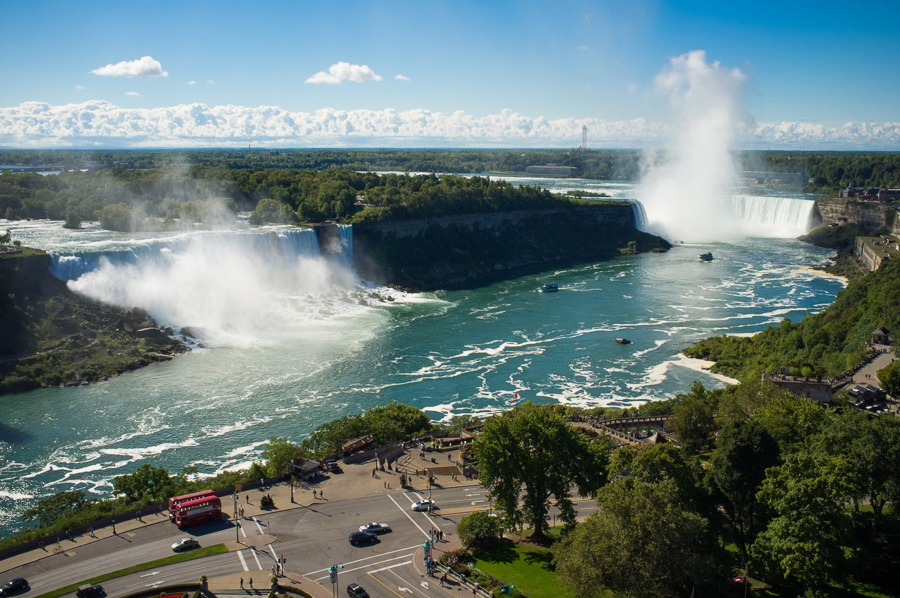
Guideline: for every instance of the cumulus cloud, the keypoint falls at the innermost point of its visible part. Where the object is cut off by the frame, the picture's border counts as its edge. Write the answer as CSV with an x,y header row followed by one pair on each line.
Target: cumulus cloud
x,y
100,123
344,71
191,82
145,66
80,87
400,77
132,93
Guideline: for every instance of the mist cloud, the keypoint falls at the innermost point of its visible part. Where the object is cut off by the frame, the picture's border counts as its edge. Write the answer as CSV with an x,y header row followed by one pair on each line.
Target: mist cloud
x,y
103,124
145,66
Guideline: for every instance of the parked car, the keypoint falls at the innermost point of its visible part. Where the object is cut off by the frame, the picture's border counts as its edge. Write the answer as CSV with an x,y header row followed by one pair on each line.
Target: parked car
x,y
357,538
13,586
354,590
423,505
185,544
88,590
375,528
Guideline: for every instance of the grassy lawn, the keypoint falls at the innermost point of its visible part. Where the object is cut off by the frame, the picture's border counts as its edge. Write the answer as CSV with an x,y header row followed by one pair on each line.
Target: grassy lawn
x,y
527,567
175,558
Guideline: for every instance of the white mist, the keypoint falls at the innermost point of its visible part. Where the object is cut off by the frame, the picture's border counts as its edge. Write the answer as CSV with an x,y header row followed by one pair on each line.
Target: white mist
x,y
687,187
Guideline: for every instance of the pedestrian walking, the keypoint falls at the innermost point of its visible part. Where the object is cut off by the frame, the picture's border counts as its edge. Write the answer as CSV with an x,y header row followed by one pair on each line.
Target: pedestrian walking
x,y
251,582
314,493
42,545
248,499
322,494
373,471
242,583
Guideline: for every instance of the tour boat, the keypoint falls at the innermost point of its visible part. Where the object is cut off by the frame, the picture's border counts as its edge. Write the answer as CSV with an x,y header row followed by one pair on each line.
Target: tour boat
x,y
706,257
549,288
623,341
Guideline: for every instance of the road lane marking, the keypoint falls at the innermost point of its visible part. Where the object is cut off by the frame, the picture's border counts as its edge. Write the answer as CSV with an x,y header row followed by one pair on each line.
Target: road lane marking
x,y
374,556
256,558
149,574
346,570
391,567
402,510
243,562
395,574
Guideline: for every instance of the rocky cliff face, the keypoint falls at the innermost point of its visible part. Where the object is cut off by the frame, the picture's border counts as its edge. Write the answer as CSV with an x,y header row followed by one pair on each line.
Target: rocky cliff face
x,y
868,216
472,249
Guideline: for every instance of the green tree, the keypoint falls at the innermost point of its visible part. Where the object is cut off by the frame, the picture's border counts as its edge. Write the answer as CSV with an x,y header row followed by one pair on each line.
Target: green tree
x,y
810,535
395,421
532,449
736,473
62,504
73,219
889,377
116,217
279,454
148,483
478,531
643,543
872,445
693,422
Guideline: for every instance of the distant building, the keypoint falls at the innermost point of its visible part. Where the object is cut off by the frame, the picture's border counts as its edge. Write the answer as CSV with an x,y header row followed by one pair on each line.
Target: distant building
x,y
552,170
881,337
874,251
870,194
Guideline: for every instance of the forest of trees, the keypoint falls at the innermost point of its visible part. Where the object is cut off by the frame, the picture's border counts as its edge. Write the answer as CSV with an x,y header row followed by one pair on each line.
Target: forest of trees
x,y
828,172
129,199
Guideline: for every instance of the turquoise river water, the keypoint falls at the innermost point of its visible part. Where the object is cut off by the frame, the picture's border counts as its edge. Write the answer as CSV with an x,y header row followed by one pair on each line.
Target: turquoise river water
x,y
291,340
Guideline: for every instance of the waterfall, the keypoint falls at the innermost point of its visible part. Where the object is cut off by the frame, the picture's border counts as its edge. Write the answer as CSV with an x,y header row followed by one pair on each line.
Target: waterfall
x,y
640,216
346,232
271,245
234,287
767,216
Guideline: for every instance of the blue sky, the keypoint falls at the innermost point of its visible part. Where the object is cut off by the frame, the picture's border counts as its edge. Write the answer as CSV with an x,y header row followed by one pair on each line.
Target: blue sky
x,y
526,73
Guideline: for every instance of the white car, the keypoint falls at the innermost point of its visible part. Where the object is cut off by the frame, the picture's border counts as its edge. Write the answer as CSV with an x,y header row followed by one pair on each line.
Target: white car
x,y
375,528
423,505
185,544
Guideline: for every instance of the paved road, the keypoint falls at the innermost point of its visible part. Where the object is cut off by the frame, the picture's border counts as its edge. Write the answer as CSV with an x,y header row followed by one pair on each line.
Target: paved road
x,y
310,539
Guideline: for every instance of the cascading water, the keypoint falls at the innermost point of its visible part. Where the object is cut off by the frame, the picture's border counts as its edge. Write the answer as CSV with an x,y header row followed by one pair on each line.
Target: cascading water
x,y
233,287
640,216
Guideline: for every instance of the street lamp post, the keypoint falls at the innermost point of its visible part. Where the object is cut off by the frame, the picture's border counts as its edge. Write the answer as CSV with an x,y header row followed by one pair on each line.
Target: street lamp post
x,y
237,522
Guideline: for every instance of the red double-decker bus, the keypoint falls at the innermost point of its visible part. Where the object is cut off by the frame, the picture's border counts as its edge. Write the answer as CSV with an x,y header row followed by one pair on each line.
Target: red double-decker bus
x,y
178,500
198,511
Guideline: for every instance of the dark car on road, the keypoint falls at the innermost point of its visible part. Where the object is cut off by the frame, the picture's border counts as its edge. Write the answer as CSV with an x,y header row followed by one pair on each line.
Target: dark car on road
x,y
13,586
354,590
89,590
357,538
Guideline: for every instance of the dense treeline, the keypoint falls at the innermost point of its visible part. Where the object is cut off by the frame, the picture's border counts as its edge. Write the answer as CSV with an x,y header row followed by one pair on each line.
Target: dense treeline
x,y
825,344
595,164
124,198
827,172
128,199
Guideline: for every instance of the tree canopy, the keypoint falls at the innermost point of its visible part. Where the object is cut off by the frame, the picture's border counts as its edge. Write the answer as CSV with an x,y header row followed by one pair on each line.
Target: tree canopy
x,y
531,448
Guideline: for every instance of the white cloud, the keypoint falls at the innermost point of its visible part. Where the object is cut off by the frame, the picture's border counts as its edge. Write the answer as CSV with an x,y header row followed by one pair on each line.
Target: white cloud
x,y
192,82
100,123
80,87
400,77
142,67
344,71
581,48
132,93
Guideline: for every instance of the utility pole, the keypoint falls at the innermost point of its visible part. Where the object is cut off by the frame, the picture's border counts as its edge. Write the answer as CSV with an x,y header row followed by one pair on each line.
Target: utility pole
x,y
237,522
333,574
292,489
